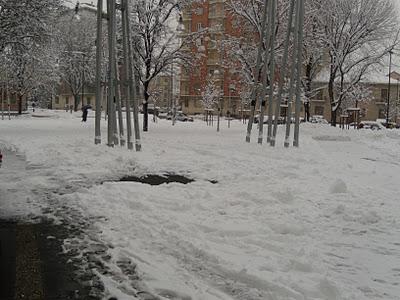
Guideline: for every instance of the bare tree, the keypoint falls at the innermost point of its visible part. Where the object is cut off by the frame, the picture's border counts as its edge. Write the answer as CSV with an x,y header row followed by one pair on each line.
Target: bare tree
x,y
76,43
358,34
157,44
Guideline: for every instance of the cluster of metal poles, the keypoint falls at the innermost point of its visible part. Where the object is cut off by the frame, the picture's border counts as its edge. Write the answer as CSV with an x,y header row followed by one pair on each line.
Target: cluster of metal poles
x,y
119,92
266,73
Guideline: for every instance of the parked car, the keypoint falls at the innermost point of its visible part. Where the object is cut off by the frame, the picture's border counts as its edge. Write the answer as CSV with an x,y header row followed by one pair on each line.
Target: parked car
x,y
180,116
370,125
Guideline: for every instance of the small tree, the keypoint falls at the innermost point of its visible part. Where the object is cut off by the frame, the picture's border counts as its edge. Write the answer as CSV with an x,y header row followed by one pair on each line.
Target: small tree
x,y
359,93
210,95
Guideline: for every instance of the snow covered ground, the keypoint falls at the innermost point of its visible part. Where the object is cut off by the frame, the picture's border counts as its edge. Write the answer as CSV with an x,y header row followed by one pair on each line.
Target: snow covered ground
x,y
317,222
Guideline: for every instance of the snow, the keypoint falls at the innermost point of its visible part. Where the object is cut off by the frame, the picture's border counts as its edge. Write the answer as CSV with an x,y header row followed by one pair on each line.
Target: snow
x,y
315,222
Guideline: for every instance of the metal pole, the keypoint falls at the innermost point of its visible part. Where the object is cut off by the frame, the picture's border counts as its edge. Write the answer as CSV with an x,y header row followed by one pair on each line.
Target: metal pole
x,y
8,98
97,130
388,93
83,79
132,81
172,93
2,100
111,74
272,75
291,84
229,107
299,69
257,72
283,73
126,75
269,56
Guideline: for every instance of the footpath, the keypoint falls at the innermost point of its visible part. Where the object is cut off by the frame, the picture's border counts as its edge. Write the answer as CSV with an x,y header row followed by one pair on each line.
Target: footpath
x,y
32,265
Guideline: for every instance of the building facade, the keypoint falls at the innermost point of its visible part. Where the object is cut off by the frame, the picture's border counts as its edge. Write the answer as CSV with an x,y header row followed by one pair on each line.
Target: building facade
x,y
210,14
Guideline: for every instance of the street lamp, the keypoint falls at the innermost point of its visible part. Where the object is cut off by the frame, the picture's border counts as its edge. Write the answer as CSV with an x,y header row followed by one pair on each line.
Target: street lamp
x,y
388,93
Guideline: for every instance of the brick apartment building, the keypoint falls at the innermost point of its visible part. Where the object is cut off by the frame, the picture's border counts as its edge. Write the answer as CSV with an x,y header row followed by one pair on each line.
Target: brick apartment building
x,y
209,14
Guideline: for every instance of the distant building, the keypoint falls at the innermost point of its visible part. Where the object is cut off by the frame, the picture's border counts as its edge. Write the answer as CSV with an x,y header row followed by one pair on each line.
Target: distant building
x,y
212,14
161,90
377,82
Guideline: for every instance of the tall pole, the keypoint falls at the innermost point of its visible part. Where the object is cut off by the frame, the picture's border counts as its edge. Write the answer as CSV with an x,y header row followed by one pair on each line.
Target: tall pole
x,y
257,72
111,72
2,100
97,131
269,56
388,93
126,76
83,80
299,69
173,95
284,71
8,98
119,109
132,82
271,73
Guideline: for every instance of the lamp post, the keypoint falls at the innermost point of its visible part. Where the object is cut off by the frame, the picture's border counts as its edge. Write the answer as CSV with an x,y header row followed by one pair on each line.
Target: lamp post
x,y
388,93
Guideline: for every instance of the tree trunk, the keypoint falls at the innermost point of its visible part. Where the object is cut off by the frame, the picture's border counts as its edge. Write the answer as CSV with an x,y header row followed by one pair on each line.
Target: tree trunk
x,y
332,101
307,111
20,104
76,102
145,106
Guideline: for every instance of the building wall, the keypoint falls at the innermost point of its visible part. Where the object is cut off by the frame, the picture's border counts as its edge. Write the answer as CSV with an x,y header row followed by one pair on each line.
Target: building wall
x,y
371,110
162,86
211,14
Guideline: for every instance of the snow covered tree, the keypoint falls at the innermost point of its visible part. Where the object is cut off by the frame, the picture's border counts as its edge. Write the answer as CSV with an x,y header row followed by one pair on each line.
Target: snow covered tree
x,y
357,35
211,94
241,48
358,93
156,41
25,29
76,42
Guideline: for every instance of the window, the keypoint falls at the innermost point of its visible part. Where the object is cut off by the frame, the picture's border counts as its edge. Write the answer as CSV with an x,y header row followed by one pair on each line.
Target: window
x,y
319,110
384,94
198,11
186,102
199,26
